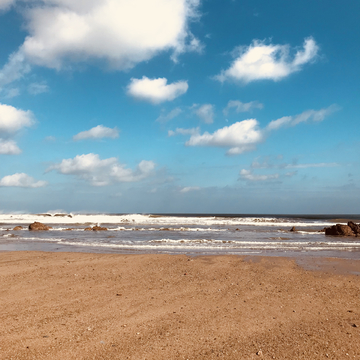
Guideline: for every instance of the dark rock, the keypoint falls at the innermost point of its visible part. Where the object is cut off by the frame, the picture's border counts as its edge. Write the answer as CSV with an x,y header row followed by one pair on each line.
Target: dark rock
x,y
354,227
18,228
293,229
95,228
339,230
98,228
38,226
63,215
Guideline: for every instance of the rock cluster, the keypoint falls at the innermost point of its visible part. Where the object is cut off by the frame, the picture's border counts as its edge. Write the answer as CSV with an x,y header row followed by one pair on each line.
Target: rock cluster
x,y
38,226
351,229
95,228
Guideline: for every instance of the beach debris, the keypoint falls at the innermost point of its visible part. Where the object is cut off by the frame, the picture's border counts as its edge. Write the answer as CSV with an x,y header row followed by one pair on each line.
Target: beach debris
x,y
351,229
17,228
36,226
293,229
259,353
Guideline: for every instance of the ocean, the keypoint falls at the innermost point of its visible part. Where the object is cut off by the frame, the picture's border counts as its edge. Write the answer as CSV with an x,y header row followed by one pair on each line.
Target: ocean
x,y
192,234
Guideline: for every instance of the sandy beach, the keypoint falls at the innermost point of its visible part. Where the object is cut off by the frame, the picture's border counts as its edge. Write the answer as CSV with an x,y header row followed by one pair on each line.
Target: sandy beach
x,y
111,306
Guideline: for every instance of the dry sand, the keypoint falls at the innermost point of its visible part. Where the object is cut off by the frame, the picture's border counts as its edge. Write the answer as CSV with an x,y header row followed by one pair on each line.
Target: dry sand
x,y
96,306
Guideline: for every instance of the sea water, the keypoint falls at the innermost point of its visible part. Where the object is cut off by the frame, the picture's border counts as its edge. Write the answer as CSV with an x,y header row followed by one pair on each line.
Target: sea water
x,y
180,234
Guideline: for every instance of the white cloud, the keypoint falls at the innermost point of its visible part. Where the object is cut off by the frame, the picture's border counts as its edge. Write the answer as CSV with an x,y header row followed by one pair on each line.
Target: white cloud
x,y
239,137
244,135
123,33
308,115
189,188
268,162
14,69
306,166
163,118
206,113
50,138
38,88
268,62
11,93
249,176
99,172
97,132
9,147
180,131
21,180
12,119
6,4
156,90
242,107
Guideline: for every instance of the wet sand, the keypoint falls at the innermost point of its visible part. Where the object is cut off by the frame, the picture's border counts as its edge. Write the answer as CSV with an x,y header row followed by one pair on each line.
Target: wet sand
x,y
113,306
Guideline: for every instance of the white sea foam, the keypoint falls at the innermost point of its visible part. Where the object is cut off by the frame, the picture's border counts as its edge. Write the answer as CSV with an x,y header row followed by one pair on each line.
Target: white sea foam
x,y
165,221
211,245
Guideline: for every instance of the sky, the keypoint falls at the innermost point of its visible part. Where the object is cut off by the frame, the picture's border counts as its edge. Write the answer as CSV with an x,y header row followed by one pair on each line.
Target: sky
x,y
180,106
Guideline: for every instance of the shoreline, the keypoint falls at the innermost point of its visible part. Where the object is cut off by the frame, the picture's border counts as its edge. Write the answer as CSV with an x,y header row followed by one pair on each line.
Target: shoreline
x,y
43,246
63,305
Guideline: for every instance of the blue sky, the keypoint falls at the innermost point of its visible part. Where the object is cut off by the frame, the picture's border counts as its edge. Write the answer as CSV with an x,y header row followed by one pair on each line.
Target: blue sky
x,y
180,106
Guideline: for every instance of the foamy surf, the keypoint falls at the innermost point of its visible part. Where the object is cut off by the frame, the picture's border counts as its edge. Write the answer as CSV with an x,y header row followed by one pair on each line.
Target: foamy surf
x,y
210,234
154,219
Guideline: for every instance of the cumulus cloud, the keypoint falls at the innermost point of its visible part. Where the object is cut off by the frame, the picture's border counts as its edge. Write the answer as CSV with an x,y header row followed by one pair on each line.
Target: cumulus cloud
x,y
205,113
6,4
99,172
163,118
249,176
123,33
241,107
97,132
189,188
181,131
239,137
21,180
308,115
268,62
9,147
244,135
12,119
156,91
